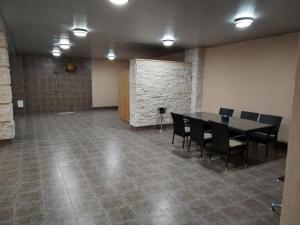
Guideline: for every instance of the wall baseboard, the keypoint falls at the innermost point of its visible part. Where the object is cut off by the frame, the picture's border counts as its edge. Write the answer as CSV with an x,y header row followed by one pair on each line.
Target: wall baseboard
x,y
105,107
156,127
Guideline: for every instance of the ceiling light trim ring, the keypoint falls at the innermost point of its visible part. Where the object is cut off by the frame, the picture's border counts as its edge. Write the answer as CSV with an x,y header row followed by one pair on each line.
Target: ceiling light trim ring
x,y
80,32
243,22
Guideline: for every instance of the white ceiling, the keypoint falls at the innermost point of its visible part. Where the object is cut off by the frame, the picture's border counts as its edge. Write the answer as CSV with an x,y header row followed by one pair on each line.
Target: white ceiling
x,y
136,29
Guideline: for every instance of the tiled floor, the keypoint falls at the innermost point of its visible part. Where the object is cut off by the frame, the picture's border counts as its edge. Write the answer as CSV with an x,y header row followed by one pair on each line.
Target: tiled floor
x,y
89,168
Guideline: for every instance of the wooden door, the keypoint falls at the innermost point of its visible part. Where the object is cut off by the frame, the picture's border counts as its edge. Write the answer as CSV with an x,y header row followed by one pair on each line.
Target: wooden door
x,y
124,99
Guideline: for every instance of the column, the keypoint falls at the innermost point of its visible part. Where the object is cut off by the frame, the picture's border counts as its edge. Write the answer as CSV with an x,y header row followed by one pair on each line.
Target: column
x,y
7,127
196,58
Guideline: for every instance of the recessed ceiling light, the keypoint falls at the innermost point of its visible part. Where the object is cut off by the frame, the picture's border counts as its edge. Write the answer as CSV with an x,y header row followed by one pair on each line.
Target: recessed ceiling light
x,y
119,2
80,32
56,52
168,42
111,56
243,22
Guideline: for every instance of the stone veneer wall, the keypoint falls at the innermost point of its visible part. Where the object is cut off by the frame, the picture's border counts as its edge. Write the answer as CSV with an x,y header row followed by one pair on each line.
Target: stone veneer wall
x,y
196,58
7,127
155,84
17,82
33,81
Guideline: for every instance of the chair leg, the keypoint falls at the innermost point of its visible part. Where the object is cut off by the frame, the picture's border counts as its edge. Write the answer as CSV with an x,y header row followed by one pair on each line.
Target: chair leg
x,y
202,150
276,148
183,142
267,150
246,157
209,157
227,161
189,145
173,138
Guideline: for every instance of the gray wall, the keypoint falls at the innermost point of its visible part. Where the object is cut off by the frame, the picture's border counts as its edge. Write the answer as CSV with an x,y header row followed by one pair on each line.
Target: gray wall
x,y
34,82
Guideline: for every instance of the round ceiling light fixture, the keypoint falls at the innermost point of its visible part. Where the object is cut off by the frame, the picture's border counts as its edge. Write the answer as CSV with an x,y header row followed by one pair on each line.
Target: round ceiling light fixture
x,y
168,42
111,56
65,44
243,22
56,52
80,32
119,2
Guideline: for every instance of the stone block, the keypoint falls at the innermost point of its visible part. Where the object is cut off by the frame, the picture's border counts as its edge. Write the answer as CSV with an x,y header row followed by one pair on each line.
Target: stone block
x,y
5,94
6,112
4,60
4,76
7,130
3,41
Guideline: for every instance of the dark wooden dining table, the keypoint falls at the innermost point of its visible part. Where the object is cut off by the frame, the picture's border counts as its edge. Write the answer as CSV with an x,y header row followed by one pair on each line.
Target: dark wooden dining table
x,y
242,126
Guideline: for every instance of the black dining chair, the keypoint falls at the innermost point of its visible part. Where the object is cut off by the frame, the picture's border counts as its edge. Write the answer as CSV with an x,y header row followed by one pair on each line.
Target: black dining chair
x,y
249,115
199,134
226,112
268,136
225,145
180,127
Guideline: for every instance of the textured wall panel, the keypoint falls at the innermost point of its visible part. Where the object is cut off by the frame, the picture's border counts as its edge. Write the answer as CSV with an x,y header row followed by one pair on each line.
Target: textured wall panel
x,y
44,86
7,130
7,127
4,76
5,94
196,58
4,61
6,112
155,84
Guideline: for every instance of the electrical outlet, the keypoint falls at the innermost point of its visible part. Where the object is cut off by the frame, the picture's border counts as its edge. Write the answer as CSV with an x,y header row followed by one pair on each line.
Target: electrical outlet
x,y
20,103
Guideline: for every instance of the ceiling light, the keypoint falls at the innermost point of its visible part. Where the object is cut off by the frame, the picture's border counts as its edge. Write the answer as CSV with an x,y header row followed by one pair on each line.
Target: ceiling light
x,y
119,2
80,32
64,44
168,42
111,56
56,52
243,22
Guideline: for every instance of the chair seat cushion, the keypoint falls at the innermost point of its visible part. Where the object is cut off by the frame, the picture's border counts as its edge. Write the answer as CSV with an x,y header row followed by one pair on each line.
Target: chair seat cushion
x,y
207,136
235,143
187,129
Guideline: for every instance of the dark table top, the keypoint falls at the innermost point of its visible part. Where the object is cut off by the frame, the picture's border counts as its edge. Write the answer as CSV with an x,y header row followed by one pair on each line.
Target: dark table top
x,y
234,123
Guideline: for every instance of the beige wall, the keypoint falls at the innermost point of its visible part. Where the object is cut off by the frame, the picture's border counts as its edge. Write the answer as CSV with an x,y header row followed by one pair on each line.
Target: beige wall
x,y
257,75
105,81
291,195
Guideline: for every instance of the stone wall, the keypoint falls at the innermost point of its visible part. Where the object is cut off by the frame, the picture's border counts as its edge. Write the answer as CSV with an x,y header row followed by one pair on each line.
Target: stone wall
x,y
7,129
196,58
155,84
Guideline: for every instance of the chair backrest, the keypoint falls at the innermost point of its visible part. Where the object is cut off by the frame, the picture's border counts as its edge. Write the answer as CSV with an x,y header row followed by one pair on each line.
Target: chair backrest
x,y
226,112
220,135
273,120
178,123
249,115
197,130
